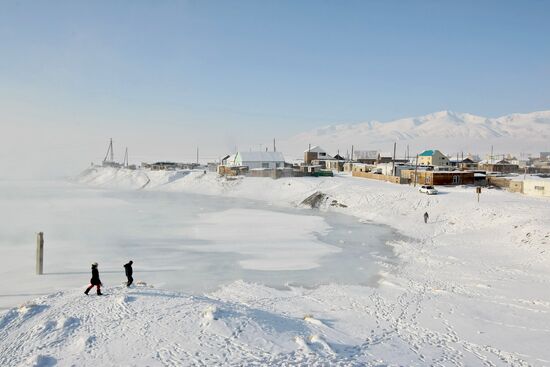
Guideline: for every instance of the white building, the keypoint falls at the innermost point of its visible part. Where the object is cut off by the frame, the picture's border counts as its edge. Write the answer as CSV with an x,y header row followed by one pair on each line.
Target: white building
x,y
536,187
256,160
433,157
390,169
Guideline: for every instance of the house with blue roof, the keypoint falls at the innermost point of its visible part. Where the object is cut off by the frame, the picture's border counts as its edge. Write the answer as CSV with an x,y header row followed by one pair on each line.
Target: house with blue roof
x,y
433,157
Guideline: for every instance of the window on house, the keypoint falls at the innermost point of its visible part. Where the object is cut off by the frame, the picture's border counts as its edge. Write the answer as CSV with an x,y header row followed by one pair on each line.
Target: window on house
x,y
541,188
265,165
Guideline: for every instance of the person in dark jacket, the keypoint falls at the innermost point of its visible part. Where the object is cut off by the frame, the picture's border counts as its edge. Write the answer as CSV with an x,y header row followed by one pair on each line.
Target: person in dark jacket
x,y
426,216
129,271
94,282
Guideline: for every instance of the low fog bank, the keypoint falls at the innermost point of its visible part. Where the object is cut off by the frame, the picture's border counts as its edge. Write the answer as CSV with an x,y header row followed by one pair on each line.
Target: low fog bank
x,y
30,152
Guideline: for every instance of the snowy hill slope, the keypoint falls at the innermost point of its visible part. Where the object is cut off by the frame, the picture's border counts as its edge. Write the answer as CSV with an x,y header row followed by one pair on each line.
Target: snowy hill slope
x,y
446,130
151,326
147,327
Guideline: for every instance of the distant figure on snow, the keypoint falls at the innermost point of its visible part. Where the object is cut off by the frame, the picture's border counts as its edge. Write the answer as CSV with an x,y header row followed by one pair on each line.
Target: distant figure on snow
x,y
128,269
94,282
426,216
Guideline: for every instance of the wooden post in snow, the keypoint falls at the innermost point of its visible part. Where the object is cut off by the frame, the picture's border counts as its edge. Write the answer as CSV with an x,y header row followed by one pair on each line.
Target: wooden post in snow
x,y
40,253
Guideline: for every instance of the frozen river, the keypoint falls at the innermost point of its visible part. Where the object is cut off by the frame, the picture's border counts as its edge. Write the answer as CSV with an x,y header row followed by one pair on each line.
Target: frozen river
x,y
178,241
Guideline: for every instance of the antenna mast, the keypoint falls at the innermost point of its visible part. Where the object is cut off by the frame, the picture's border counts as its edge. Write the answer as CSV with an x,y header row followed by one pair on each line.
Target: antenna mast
x,y
109,153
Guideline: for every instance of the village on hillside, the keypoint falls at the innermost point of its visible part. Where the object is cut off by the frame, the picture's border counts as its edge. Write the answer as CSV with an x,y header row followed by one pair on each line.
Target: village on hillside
x,y
431,167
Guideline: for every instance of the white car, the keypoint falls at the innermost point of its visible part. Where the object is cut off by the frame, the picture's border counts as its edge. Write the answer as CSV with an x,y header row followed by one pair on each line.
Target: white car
x,y
428,189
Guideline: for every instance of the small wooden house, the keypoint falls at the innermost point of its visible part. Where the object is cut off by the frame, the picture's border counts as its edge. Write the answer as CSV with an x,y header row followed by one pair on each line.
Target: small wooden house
x,y
425,177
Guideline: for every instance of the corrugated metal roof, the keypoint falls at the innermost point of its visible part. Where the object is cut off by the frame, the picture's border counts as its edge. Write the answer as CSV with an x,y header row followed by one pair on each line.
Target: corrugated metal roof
x,y
365,154
315,149
427,153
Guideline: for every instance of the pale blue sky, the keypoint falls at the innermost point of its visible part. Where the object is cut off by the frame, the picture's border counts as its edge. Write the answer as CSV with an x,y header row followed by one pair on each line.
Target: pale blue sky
x,y
246,69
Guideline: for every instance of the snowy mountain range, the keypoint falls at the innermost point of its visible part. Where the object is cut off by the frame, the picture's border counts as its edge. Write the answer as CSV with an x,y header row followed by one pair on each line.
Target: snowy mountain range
x,y
447,131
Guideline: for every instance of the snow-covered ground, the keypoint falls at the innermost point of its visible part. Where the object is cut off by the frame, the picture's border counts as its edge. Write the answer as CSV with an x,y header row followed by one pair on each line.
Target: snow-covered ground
x,y
469,288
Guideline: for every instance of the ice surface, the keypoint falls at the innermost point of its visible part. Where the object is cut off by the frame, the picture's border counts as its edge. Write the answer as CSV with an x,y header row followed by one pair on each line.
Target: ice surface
x,y
178,241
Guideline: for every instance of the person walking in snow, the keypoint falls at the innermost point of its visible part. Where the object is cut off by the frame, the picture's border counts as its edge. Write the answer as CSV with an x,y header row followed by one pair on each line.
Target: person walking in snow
x,y
128,269
426,216
95,281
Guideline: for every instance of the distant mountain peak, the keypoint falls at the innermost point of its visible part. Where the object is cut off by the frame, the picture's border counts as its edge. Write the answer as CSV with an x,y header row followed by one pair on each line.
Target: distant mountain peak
x,y
451,130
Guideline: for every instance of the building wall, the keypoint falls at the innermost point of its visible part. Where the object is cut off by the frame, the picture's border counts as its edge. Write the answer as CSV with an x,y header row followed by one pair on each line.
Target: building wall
x,y
437,159
275,173
536,187
393,179
467,166
498,181
425,160
253,165
503,168
515,186
354,166
309,156
335,165
439,178
231,170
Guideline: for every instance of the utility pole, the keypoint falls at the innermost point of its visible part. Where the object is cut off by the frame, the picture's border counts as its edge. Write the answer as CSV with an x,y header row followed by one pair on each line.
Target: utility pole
x,y
351,158
415,170
393,160
197,155
125,163
274,146
491,154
